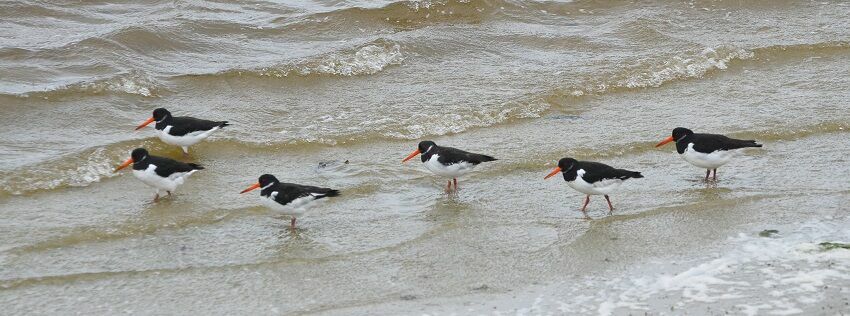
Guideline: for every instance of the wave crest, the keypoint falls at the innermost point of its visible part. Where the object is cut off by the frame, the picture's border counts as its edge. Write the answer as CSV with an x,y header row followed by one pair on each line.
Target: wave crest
x,y
130,83
676,68
367,59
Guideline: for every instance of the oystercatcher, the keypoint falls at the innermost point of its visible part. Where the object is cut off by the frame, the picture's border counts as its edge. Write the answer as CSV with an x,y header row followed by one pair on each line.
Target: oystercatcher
x,y
162,173
447,161
181,131
708,151
288,198
592,178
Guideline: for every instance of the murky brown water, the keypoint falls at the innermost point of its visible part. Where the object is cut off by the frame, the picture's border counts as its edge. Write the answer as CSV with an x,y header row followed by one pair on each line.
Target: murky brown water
x,y
527,82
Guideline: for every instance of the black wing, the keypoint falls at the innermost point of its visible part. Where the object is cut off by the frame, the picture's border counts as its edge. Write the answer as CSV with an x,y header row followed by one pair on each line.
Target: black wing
x,y
449,155
183,125
288,192
594,171
167,166
708,143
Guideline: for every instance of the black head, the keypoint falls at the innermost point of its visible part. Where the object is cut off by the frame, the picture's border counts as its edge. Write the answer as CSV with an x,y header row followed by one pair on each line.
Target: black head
x,y
680,132
139,154
267,179
425,144
567,164
564,166
160,113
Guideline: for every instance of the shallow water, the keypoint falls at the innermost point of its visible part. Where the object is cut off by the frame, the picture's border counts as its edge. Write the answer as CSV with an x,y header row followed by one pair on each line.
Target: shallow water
x,y
328,81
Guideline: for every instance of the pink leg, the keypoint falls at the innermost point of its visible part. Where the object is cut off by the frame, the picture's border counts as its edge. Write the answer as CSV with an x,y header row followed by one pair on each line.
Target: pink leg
x,y
715,174
455,180
449,186
584,207
156,198
292,224
610,207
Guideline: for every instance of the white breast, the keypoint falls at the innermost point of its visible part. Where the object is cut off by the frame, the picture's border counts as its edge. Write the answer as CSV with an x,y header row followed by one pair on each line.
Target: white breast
x,y
600,187
453,170
708,161
185,140
170,183
295,208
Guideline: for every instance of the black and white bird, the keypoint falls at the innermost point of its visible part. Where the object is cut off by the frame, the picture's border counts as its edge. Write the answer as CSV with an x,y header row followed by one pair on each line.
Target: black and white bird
x,y
447,161
708,151
288,198
592,178
183,131
164,174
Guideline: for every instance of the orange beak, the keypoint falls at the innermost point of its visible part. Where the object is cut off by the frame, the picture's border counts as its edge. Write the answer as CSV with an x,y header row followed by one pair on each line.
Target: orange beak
x,y
251,188
554,172
665,141
415,152
150,120
124,164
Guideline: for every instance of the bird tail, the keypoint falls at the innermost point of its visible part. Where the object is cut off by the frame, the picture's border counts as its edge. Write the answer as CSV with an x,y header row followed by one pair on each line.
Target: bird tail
x,y
223,124
625,174
196,166
328,193
485,158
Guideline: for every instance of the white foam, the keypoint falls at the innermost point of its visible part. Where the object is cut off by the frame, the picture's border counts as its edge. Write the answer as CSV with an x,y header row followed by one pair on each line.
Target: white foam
x,y
686,66
130,83
96,166
785,275
366,60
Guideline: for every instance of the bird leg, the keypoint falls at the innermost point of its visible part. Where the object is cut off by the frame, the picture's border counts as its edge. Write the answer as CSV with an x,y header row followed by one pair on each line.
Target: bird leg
x,y
610,207
449,187
169,193
715,175
455,180
707,173
292,224
584,207
156,197
185,151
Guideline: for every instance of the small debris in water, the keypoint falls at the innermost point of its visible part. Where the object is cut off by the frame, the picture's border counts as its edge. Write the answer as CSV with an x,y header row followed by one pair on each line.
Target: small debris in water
x,y
833,245
768,233
408,297
483,287
325,164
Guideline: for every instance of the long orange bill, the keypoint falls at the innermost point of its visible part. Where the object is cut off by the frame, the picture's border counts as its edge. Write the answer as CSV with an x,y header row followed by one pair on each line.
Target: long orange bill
x,y
665,141
251,188
415,152
554,172
124,164
150,120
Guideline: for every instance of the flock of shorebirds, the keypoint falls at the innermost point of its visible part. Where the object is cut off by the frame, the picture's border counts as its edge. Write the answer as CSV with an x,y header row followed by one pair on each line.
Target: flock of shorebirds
x,y
708,151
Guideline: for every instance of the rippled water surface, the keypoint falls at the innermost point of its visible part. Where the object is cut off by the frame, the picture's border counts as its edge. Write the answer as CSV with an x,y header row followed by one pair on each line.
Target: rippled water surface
x,y
309,84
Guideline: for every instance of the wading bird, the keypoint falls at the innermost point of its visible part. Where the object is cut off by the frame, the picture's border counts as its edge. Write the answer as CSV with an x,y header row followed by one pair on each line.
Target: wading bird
x,y
288,198
183,131
447,161
164,174
592,178
708,151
